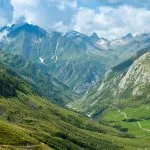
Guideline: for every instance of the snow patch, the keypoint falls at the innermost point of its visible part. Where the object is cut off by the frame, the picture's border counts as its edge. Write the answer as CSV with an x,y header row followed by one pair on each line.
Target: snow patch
x,y
38,41
118,42
41,60
69,106
89,115
73,34
103,43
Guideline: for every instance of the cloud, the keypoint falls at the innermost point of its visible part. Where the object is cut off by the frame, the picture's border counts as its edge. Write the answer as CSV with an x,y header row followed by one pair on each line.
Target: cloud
x,y
5,12
60,27
45,13
109,18
63,4
112,22
135,3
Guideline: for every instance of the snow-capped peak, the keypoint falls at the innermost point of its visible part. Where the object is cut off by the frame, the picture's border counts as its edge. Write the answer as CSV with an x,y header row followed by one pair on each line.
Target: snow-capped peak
x,y
74,34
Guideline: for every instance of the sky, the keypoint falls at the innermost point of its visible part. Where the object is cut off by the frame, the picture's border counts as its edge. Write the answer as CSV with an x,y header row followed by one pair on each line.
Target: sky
x,y
108,18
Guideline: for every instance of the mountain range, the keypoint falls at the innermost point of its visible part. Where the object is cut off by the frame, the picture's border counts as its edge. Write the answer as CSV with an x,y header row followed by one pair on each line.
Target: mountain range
x,y
71,53
78,91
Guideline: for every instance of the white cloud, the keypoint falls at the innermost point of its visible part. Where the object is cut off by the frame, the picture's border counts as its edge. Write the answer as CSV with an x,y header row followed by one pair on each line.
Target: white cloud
x,y
64,15
60,27
45,13
5,12
112,22
63,4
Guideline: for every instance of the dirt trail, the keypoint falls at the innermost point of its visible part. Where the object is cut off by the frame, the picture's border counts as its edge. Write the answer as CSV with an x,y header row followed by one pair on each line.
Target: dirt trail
x,y
142,127
139,124
123,113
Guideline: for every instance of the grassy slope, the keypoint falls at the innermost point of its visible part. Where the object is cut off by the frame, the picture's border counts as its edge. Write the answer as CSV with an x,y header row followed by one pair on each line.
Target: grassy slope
x,y
132,112
28,120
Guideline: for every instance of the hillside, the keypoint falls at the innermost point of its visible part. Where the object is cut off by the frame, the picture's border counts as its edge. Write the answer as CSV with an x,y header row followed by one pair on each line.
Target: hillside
x,y
129,79
29,121
41,81
122,99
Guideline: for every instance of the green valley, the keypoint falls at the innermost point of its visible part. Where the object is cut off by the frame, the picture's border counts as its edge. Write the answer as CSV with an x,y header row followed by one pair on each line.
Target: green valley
x,y
122,98
29,121
72,91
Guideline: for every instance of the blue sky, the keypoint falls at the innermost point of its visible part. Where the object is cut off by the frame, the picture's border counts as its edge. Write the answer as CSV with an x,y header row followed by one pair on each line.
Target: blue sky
x,y
108,18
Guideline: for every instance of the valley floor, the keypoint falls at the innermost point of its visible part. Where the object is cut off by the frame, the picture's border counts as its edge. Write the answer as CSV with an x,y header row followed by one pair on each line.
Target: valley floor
x,y
135,121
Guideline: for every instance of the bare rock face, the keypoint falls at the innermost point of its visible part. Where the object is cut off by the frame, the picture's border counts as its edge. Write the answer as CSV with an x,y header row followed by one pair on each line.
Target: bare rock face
x,y
137,77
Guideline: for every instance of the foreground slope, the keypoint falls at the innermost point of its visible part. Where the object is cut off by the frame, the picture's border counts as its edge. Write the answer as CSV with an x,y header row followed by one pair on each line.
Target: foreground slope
x,y
28,121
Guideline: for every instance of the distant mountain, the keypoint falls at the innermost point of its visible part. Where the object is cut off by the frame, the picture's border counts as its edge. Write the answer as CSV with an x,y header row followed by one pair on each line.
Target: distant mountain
x,y
94,37
71,58
42,82
128,37
77,60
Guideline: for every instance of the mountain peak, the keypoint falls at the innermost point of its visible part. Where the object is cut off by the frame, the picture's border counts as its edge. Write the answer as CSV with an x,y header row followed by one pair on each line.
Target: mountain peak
x,y
94,37
17,28
94,34
129,36
74,34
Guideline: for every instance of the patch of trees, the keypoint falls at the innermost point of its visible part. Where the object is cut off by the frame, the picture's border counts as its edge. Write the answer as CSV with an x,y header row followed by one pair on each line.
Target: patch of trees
x,y
6,89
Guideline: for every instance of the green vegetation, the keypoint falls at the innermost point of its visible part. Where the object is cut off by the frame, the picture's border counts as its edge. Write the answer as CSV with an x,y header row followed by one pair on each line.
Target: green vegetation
x,y
122,99
119,104
135,119
29,121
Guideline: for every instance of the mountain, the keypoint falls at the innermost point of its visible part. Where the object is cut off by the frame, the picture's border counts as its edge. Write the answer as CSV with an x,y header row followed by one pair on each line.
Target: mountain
x,y
59,68
77,60
128,45
29,121
127,37
128,80
122,99
66,57
42,82
94,37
